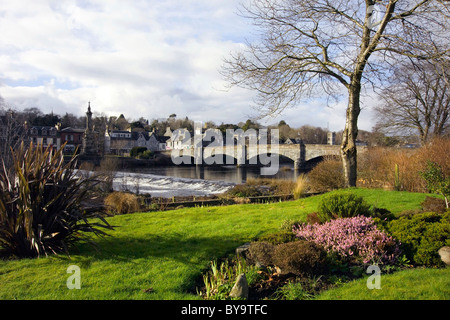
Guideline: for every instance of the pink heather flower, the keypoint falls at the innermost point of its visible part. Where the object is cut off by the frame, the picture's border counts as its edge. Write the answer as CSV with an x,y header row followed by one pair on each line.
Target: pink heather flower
x,y
356,236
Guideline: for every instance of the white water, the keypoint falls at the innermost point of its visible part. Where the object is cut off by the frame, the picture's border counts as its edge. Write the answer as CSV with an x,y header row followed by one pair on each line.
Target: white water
x,y
167,187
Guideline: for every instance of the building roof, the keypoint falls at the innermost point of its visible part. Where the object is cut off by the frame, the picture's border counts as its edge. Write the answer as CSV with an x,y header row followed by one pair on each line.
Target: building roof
x,y
73,130
162,139
39,131
293,141
120,131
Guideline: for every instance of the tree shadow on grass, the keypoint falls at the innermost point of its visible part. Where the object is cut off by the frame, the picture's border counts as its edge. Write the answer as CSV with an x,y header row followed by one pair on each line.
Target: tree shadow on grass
x,y
191,251
167,246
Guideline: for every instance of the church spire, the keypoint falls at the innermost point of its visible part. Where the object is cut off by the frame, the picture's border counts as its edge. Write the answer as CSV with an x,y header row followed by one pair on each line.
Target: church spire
x,y
89,118
89,145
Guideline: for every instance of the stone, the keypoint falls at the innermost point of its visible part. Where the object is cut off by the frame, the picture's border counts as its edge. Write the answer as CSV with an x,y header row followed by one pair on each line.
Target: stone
x,y
240,288
242,251
444,252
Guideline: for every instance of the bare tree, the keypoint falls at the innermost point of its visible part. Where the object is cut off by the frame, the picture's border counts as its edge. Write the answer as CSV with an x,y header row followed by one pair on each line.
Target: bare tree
x,y
417,101
12,132
308,48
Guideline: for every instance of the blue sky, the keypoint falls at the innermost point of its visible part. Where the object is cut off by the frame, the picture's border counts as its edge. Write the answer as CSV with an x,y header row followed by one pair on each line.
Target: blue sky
x,y
147,58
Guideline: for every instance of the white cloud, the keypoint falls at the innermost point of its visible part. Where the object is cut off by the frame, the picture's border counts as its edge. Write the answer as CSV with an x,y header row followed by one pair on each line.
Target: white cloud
x,y
141,58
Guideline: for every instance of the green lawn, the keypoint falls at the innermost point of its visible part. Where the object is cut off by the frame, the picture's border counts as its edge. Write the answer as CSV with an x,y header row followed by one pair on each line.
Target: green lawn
x,y
159,255
416,284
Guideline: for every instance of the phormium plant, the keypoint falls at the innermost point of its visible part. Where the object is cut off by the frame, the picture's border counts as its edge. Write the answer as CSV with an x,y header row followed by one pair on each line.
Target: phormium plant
x,y
44,206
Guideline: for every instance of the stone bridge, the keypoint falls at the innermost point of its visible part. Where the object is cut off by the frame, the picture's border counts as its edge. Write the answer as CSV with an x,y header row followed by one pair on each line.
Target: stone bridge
x,y
299,154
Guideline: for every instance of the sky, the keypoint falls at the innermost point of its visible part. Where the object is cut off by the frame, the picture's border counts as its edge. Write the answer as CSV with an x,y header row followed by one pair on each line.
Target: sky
x,y
139,58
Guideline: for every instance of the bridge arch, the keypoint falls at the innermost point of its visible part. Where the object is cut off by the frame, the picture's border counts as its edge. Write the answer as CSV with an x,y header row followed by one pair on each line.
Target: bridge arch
x,y
300,154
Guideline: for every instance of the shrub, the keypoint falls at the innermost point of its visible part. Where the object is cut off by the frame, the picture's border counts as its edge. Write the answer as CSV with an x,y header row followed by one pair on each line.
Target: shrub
x,y
382,214
287,225
278,237
280,186
436,151
312,218
342,205
293,291
421,235
44,206
135,151
328,175
146,155
271,186
395,169
261,252
353,239
300,257
431,204
377,166
437,181
244,191
122,202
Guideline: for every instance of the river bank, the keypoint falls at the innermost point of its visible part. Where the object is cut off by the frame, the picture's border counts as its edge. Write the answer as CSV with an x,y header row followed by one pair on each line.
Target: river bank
x,y
162,204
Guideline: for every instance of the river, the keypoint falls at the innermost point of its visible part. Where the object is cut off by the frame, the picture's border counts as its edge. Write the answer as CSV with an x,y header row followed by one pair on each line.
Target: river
x,y
169,181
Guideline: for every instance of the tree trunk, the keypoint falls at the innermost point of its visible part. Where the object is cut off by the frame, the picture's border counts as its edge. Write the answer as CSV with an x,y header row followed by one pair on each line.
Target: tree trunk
x,y
348,146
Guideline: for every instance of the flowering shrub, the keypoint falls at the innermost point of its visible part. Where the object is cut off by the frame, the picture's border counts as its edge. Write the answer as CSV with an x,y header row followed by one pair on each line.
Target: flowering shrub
x,y
352,238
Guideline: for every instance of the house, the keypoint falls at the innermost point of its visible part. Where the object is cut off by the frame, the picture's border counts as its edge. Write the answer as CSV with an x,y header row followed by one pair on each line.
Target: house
x,y
44,135
162,142
119,142
179,139
331,138
360,143
73,137
293,141
146,139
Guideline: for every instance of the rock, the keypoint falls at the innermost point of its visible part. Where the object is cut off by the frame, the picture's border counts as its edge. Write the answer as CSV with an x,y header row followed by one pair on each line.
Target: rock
x,y
444,252
242,251
240,288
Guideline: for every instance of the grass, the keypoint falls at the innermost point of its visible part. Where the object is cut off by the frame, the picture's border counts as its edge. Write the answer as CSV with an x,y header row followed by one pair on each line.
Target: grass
x,y
414,284
160,255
